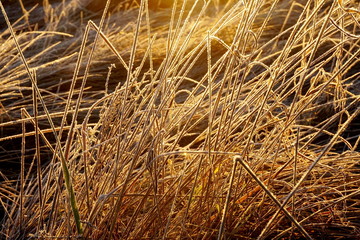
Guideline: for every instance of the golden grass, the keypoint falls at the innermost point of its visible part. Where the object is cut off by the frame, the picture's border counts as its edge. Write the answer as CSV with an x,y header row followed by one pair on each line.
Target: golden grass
x,y
212,119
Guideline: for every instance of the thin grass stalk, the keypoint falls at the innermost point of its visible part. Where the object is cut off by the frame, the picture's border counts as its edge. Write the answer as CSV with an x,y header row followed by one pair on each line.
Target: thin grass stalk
x,y
197,173
169,40
295,169
210,85
132,57
356,144
110,45
38,159
151,62
210,125
110,68
84,145
66,171
32,133
22,172
179,181
146,55
227,201
170,45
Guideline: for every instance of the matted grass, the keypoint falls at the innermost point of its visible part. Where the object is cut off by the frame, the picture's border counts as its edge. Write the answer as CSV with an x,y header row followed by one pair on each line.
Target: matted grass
x,y
211,119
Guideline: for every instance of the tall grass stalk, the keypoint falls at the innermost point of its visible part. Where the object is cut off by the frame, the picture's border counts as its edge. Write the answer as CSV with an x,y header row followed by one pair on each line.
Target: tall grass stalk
x,y
38,158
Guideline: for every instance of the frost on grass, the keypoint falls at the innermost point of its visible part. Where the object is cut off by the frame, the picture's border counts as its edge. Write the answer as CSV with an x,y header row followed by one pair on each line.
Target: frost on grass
x,y
152,104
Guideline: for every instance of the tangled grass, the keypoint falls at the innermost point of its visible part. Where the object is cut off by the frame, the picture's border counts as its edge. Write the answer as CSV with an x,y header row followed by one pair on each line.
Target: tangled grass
x,y
212,119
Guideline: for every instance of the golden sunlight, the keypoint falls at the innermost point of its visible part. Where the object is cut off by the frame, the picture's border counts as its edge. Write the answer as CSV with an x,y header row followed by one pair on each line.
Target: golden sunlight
x,y
98,5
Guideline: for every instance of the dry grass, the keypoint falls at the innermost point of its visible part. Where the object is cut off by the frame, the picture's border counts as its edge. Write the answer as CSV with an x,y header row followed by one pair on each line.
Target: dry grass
x,y
220,119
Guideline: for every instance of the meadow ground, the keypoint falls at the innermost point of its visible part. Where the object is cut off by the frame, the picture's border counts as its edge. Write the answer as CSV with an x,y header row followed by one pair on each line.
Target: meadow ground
x,y
219,119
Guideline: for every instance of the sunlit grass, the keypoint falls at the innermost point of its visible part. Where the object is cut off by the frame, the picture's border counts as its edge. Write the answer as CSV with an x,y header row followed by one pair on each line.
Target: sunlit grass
x,y
191,119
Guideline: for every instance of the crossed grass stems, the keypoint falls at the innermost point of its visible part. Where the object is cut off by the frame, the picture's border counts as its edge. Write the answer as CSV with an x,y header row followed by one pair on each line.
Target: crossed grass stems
x,y
152,109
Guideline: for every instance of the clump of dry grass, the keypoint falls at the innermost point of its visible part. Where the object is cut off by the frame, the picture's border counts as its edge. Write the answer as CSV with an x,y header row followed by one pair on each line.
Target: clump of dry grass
x,y
226,119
